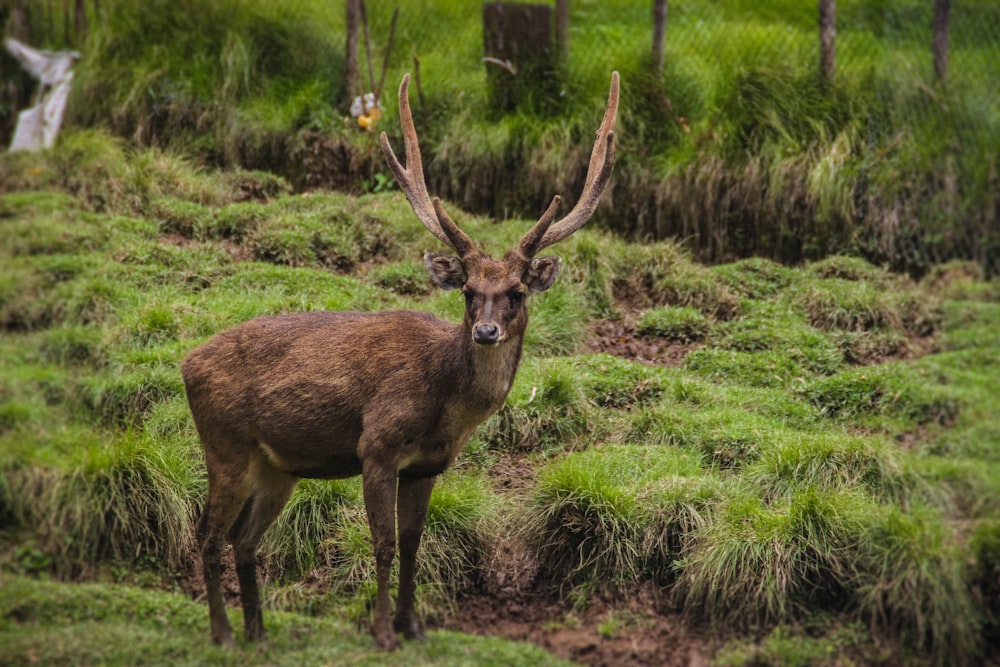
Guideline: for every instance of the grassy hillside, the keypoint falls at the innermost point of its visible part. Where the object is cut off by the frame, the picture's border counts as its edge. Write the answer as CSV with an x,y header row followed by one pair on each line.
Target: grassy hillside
x,y
810,460
736,148
86,624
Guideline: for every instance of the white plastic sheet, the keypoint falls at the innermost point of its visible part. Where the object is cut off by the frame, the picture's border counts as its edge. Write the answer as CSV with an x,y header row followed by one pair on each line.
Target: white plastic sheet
x,y
38,126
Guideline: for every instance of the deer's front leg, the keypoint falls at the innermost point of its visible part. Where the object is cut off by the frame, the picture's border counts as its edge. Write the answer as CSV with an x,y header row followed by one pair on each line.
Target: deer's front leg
x,y
379,483
414,497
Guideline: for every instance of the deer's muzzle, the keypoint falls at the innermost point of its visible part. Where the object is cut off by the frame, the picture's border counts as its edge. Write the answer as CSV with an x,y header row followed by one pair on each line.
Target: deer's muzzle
x,y
486,334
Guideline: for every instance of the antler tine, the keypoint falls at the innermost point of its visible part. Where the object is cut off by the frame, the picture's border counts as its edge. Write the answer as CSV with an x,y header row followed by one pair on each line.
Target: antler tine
x,y
602,159
411,177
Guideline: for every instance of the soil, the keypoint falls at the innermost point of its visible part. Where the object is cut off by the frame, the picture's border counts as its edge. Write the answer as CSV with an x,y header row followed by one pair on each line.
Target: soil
x,y
638,629
634,630
239,252
620,338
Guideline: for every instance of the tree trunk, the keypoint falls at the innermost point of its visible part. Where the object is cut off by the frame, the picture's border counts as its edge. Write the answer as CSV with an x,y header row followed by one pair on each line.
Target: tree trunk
x,y
942,19
827,40
659,35
351,77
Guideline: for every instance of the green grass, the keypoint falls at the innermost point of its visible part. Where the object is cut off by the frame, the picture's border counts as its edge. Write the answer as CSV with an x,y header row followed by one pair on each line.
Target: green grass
x,y
53,623
621,512
785,481
737,147
681,324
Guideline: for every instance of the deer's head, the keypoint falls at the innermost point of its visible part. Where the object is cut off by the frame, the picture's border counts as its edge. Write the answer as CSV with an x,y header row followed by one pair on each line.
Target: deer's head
x,y
496,290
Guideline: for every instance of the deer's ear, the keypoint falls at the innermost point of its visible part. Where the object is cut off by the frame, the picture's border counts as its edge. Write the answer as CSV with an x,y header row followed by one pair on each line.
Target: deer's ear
x,y
542,273
446,271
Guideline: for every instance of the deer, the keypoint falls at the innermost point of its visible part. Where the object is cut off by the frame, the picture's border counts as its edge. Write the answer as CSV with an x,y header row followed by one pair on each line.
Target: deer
x,y
393,396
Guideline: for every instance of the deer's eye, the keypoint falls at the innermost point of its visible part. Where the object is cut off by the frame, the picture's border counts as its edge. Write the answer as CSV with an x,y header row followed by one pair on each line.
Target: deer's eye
x,y
469,297
516,299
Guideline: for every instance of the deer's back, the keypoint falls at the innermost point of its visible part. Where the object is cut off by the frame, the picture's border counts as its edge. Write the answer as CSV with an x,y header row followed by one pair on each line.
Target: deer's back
x,y
308,382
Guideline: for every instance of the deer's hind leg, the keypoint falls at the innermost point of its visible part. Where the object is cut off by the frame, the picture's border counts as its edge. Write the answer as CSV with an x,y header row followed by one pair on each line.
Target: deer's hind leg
x,y
229,490
271,490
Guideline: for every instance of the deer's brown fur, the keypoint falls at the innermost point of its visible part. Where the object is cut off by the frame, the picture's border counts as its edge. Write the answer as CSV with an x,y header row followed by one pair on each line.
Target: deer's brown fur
x,y
393,396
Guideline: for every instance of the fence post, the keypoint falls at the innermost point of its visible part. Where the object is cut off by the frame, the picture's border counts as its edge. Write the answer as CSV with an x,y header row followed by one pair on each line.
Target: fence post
x,y
659,35
827,40
517,44
351,75
562,31
942,19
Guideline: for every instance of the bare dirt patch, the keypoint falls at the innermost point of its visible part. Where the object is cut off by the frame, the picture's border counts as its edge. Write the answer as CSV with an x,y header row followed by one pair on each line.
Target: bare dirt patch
x,y
513,472
237,251
633,630
620,338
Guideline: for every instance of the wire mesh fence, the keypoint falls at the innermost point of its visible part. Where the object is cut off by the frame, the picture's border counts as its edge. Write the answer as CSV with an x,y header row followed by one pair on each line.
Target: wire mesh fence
x,y
732,145
917,155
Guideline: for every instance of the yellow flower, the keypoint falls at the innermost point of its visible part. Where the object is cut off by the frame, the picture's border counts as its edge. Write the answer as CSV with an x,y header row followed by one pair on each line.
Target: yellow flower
x,y
369,119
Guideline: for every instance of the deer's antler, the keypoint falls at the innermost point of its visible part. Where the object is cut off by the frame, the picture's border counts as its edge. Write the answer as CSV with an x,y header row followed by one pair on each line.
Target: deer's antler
x,y
602,159
545,232
411,180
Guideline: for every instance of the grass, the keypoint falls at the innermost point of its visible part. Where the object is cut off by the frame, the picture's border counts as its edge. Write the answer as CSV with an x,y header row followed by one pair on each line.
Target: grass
x,y
681,324
736,147
49,622
781,475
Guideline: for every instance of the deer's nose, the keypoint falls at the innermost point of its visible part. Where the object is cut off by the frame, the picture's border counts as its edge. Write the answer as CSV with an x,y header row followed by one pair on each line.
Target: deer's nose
x,y
486,334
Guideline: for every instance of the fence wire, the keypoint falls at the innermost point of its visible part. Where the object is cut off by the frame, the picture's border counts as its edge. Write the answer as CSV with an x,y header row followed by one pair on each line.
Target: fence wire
x,y
950,209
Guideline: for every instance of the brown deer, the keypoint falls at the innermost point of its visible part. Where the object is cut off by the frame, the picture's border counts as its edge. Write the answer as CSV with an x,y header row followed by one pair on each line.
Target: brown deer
x,y
392,396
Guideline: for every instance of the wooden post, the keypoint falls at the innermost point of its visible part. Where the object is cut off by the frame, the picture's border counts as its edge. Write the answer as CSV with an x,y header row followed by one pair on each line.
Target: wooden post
x,y
659,35
942,20
562,30
351,77
80,19
517,44
827,40
66,22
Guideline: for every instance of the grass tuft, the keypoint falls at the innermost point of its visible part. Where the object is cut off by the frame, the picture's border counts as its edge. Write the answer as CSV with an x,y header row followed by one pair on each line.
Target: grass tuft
x,y
681,324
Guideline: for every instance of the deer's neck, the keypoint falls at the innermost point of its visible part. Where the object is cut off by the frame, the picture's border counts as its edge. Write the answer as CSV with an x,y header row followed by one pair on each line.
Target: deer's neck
x,y
492,370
